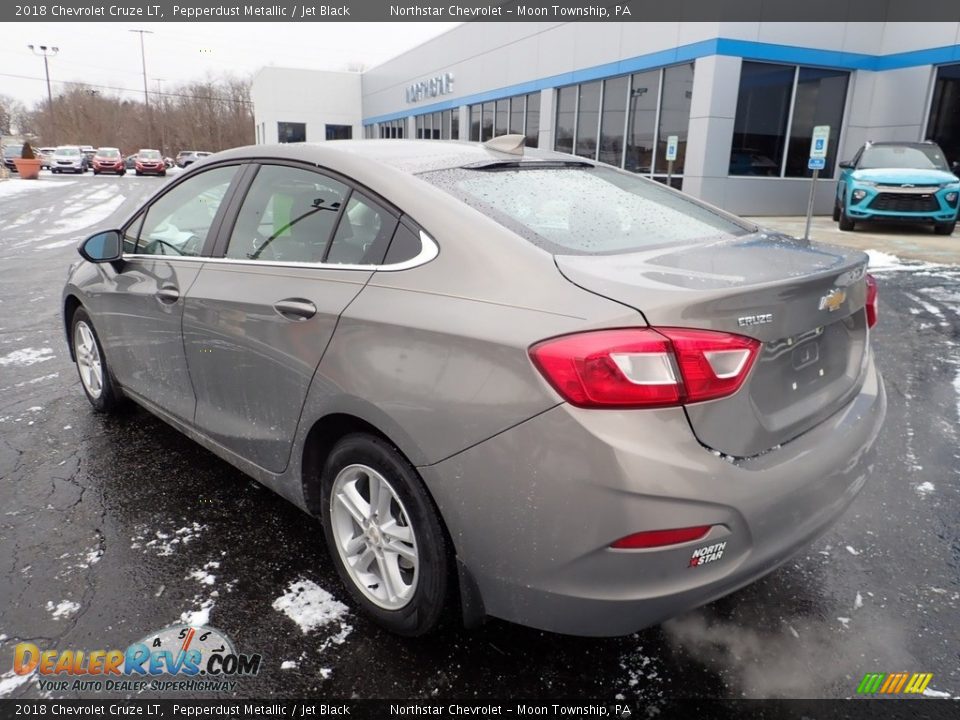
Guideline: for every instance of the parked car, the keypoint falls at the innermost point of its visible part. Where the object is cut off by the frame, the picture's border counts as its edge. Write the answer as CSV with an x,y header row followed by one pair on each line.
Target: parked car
x,y
897,182
68,158
10,153
566,395
45,154
130,162
108,160
186,158
168,162
149,162
89,151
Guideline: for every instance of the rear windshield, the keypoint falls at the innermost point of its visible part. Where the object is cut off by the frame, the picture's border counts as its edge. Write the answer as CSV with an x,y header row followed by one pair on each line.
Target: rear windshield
x,y
903,156
584,210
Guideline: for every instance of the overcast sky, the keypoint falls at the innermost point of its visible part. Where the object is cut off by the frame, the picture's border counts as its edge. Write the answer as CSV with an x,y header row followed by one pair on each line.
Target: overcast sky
x,y
108,54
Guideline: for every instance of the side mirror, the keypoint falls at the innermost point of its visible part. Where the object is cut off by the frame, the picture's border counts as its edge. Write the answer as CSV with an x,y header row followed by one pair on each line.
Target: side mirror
x,y
102,247
846,165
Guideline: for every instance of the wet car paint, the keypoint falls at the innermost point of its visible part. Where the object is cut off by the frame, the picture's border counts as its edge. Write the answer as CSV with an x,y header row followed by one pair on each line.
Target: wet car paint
x,y
126,517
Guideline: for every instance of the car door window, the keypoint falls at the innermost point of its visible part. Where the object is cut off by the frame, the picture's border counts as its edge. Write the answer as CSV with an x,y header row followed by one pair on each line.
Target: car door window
x,y
363,234
288,215
179,221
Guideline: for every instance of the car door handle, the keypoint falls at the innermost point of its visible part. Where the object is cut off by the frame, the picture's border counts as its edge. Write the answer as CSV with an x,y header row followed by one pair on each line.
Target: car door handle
x,y
168,294
295,309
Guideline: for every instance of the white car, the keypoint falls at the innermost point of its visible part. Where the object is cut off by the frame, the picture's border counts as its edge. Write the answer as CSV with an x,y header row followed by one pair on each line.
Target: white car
x,y
68,158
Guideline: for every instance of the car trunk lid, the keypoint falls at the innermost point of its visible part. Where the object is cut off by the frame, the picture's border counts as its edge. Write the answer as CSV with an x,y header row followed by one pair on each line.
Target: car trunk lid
x,y
803,301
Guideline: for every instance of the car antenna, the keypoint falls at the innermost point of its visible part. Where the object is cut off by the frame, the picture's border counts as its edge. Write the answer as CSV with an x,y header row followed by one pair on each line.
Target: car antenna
x,y
510,144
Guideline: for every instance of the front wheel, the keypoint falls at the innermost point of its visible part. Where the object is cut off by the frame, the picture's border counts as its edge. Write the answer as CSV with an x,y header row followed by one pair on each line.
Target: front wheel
x,y
846,223
945,228
384,535
95,376
836,210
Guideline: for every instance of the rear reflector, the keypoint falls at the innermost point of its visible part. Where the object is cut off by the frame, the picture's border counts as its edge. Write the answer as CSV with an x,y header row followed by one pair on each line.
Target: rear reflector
x,y
871,305
645,367
660,538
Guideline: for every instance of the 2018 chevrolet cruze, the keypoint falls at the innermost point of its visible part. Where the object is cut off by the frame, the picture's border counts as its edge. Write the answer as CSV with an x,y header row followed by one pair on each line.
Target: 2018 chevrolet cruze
x,y
542,388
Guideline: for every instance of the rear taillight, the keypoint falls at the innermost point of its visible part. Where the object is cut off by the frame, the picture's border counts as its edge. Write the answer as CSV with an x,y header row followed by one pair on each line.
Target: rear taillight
x,y
871,305
645,367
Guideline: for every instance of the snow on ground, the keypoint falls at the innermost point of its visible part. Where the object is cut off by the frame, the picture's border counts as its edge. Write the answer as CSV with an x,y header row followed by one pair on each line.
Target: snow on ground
x,y
64,609
311,607
27,356
289,665
925,488
202,575
83,218
16,186
956,387
10,681
165,543
198,617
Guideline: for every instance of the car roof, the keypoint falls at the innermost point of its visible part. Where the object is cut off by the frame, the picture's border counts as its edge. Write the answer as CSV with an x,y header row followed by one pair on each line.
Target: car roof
x,y
407,156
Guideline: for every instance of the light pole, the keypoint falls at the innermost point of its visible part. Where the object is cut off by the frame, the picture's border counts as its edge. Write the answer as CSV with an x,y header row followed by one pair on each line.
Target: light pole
x,y
46,51
143,62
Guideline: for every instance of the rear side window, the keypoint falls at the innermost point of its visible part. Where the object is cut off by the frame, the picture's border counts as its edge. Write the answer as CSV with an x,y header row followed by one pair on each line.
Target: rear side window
x,y
287,216
584,210
363,234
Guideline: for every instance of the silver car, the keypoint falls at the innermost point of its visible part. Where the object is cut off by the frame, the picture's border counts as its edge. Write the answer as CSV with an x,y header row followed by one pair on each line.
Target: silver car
x,y
518,383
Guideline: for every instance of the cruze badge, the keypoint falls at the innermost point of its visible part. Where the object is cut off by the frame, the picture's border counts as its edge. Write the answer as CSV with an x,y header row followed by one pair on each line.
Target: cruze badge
x,y
833,300
748,320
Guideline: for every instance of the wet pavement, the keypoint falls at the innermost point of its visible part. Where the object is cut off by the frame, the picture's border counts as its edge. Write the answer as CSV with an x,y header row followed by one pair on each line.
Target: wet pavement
x,y
114,527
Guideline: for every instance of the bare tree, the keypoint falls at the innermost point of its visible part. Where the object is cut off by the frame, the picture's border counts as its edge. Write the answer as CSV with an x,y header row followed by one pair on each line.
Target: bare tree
x,y
12,115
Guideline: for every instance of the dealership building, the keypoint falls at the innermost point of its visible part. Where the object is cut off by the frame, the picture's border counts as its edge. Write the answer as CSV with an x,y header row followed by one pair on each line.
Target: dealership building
x,y
742,98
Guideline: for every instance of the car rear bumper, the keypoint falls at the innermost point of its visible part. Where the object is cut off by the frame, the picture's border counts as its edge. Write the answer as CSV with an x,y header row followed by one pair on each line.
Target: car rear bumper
x,y
532,511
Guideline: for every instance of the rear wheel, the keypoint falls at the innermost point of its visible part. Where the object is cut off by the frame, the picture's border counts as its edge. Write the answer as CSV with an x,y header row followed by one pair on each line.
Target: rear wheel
x,y
95,376
846,223
384,535
946,228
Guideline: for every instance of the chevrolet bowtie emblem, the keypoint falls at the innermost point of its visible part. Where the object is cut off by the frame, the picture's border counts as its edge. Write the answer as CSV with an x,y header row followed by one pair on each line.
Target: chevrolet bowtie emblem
x,y
833,300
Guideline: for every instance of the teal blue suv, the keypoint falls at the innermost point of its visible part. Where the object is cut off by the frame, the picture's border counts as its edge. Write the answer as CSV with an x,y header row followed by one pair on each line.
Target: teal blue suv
x,y
897,182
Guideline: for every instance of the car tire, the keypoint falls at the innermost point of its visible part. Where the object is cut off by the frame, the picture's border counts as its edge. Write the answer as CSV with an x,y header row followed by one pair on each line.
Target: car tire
x,y
945,228
55,171
406,591
95,377
163,173
846,223
96,172
139,173
836,211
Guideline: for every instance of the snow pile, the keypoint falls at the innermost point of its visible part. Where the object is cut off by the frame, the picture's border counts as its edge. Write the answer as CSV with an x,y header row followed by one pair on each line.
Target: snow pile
x,y
27,356
64,609
311,607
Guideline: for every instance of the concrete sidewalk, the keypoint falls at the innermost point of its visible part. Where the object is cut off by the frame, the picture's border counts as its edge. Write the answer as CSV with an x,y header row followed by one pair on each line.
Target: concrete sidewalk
x,y
914,242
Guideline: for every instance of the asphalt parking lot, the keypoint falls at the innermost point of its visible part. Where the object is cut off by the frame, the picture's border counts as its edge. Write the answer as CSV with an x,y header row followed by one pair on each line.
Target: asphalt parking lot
x,y
112,528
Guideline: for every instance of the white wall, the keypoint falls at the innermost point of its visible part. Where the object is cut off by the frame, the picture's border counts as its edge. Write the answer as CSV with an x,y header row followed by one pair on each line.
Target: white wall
x,y
314,97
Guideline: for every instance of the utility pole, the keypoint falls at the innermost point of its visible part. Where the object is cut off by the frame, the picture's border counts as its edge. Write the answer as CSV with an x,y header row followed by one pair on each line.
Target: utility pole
x,y
46,51
146,98
163,124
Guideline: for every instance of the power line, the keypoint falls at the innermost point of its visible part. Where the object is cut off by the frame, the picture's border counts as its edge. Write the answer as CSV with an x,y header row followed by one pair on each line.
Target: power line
x,y
128,90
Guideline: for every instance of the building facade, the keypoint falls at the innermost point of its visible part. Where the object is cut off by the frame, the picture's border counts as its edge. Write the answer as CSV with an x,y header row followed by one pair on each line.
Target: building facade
x,y
741,98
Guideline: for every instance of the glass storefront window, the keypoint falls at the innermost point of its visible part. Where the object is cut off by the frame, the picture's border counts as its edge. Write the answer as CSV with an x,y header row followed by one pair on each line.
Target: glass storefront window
x,y
588,119
487,127
566,114
533,120
435,126
292,132
760,127
819,100
943,126
642,122
475,122
674,115
612,120
503,117
516,114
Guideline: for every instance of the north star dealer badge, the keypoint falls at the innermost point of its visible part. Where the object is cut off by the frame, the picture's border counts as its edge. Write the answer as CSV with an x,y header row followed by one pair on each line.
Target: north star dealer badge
x,y
708,554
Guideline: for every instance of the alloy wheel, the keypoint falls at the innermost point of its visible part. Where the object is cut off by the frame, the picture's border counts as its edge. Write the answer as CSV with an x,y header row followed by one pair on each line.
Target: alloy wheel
x,y
88,359
373,535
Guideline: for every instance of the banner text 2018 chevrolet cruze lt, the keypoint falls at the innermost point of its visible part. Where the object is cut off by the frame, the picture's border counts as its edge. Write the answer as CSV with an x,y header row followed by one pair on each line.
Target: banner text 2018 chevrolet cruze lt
x,y
524,384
